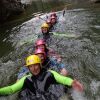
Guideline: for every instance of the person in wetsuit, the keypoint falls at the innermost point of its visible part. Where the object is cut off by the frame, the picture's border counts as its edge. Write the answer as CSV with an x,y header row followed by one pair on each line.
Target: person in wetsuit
x,y
50,53
41,44
53,20
45,28
45,33
48,21
36,85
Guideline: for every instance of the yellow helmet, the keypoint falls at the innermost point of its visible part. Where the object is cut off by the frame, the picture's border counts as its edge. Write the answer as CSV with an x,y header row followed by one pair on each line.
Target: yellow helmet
x,y
45,25
32,59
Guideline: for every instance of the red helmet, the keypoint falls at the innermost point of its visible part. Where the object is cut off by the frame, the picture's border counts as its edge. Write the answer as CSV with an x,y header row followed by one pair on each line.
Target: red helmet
x,y
40,42
40,51
53,14
48,21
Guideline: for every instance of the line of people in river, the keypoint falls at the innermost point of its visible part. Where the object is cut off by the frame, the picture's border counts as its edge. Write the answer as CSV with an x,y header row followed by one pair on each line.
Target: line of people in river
x,y
48,26
43,68
49,59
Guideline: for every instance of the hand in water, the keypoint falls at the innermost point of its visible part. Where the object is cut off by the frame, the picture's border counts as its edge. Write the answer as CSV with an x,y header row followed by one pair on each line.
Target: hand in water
x,y
77,85
64,72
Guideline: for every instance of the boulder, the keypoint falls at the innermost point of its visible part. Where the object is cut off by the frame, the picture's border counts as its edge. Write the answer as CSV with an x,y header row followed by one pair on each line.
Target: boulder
x,y
8,7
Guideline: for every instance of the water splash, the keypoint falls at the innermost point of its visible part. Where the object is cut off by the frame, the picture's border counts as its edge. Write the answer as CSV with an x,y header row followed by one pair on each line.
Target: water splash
x,y
78,96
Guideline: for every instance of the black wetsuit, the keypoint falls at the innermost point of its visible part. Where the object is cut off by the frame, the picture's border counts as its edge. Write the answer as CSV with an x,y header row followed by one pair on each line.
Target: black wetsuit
x,y
37,87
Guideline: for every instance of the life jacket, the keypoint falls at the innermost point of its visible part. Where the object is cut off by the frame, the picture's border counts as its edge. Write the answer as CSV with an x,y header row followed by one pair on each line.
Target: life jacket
x,y
37,87
28,95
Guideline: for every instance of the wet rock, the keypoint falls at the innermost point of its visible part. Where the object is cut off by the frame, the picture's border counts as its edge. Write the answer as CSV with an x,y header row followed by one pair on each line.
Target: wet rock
x,y
9,7
96,1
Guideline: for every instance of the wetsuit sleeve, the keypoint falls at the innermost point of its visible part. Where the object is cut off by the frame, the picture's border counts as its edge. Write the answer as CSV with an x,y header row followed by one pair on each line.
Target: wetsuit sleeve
x,y
13,88
62,79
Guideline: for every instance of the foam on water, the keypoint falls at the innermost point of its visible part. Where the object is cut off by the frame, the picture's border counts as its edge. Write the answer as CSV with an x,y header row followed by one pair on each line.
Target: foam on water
x,y
95,87
77,95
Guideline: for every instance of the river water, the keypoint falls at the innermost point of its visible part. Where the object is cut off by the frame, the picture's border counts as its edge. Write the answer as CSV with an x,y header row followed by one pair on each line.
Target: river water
x,y
80,53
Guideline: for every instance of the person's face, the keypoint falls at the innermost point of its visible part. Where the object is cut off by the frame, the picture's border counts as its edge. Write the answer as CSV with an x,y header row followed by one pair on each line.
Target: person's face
x,y
41,47
35,69
44,30
53,21
42,57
